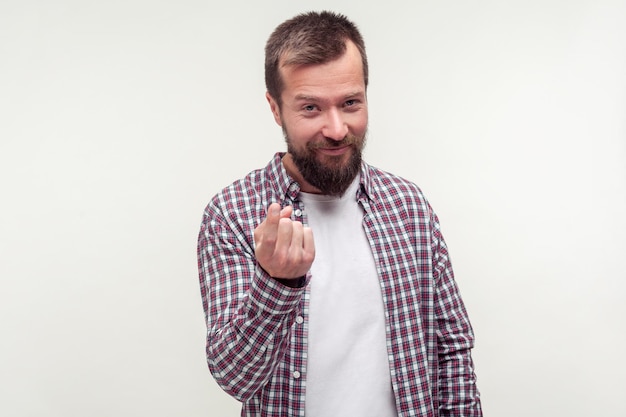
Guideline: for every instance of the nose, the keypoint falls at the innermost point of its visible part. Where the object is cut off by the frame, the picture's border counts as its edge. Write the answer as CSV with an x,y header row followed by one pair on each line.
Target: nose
x,y
335,126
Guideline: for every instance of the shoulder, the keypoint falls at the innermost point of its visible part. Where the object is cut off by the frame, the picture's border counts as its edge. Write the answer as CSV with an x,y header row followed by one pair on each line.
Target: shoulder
x,y
241,206
386,187
243,191
242,199
398,201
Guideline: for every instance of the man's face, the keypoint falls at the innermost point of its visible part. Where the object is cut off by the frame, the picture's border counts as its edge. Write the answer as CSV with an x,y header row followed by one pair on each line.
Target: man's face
x,y
324,119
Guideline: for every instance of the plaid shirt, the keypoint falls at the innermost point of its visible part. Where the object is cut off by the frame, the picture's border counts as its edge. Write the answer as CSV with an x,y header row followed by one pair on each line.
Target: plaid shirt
x,y
257,339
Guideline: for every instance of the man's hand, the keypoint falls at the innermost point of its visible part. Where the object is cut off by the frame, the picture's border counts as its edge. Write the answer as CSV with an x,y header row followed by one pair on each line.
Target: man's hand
x,y
284,248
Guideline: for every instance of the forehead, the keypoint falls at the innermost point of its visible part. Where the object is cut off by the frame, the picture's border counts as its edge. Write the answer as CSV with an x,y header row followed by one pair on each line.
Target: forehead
x,y
343,75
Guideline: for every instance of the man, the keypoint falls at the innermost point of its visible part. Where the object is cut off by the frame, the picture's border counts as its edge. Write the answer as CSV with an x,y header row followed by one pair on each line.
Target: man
x,y
326,282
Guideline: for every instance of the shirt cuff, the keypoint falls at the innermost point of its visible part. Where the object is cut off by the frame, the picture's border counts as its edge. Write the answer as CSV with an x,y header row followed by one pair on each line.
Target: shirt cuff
x,y
274,297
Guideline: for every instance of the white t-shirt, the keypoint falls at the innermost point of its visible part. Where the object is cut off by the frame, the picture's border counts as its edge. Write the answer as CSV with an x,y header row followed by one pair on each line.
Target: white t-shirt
x,y
348,366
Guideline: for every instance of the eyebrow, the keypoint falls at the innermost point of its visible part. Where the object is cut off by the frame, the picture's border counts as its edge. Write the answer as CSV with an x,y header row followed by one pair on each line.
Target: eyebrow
x,y
305,97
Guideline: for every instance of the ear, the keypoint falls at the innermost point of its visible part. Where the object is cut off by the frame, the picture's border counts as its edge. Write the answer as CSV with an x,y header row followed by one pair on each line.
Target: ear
x,y
274,108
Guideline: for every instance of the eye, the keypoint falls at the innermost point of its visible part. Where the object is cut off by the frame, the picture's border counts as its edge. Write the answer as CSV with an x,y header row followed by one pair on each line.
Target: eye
x,y
353,104
309,108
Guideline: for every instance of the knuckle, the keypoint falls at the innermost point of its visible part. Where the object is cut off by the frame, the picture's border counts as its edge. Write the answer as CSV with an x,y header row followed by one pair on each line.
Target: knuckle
x,y
270,240
308,258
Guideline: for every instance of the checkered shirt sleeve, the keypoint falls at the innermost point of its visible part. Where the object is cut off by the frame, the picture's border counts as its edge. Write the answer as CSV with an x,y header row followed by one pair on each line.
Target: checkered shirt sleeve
x,y
248,314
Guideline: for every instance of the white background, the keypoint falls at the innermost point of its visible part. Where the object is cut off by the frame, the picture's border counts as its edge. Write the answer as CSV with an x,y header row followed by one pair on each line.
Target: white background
x,y
120,119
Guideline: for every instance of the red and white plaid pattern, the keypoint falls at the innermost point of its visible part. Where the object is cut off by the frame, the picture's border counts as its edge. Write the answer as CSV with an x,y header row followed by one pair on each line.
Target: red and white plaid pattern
x,y
256,339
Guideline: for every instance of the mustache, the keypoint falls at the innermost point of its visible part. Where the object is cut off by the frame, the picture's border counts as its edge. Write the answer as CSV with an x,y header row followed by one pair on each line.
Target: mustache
x,y
326,143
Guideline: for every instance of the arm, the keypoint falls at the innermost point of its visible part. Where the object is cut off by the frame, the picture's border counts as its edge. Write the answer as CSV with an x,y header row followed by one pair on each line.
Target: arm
x,y
248,313
458,394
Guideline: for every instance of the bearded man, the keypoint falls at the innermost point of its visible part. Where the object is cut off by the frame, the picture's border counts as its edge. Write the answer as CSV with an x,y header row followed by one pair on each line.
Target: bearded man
x,y
326,283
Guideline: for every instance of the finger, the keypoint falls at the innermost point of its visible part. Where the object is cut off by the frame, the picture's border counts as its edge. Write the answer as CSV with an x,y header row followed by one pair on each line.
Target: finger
x,y
273,214
283,237
285,213
265,234
269,226
308,243
296,237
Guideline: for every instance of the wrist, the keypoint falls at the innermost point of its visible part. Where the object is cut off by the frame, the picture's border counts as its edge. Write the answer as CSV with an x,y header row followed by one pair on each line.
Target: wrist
x,y
292,282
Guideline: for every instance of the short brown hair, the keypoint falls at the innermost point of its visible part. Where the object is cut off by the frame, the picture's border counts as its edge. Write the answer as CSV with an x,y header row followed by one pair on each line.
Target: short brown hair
x,y
309,38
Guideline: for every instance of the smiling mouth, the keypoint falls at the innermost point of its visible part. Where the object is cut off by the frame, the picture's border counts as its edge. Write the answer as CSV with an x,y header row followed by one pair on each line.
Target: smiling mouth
x,y
335,150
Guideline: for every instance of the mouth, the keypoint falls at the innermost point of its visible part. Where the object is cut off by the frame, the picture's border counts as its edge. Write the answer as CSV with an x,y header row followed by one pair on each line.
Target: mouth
x,y
334,151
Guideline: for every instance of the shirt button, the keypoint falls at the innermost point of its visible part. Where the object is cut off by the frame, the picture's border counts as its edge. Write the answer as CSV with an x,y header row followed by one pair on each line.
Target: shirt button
x,y
296,374
299,320
298,213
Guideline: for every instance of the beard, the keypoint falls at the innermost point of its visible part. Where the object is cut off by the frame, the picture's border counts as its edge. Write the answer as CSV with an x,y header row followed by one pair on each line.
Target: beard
x,y
332,176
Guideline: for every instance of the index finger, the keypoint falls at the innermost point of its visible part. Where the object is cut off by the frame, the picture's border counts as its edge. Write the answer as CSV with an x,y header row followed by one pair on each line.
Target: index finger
x,y
273,215
268,230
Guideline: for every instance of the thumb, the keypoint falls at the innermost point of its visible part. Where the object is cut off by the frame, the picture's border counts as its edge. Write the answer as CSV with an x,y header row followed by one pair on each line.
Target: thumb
x,y
285,213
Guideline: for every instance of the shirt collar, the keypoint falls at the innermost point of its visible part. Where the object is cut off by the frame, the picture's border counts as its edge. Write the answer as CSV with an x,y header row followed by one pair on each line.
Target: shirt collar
x,y
285,187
